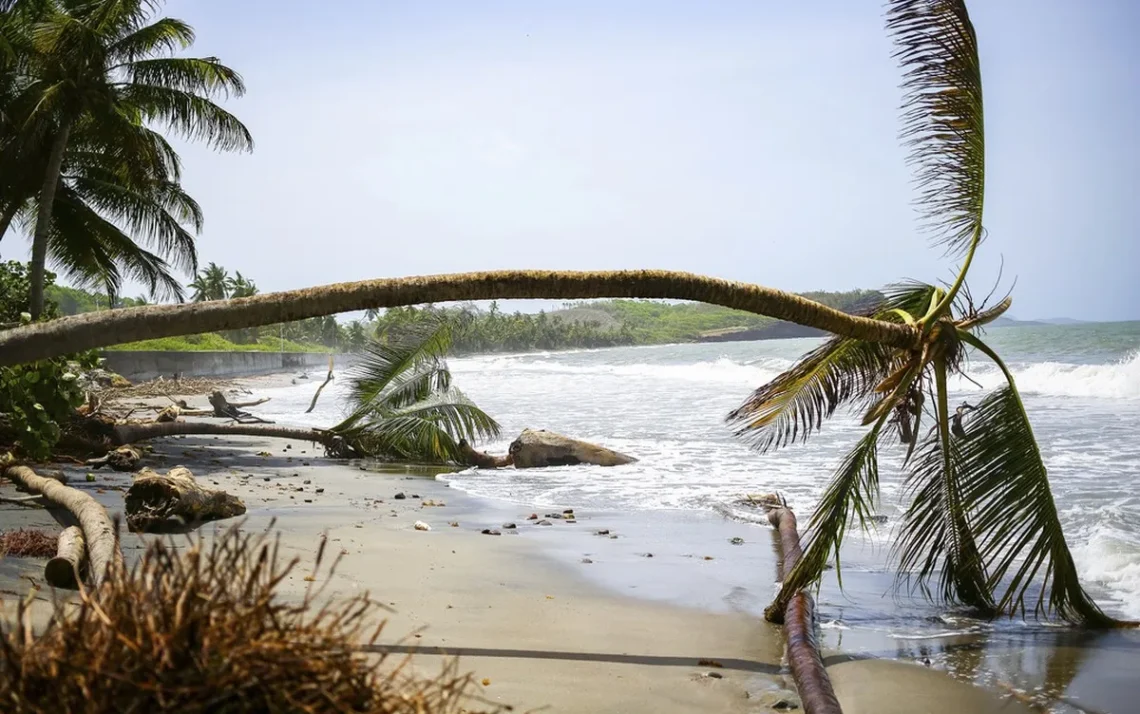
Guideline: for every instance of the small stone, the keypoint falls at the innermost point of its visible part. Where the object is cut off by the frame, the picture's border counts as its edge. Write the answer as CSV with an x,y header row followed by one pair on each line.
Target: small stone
x,y
587,561
604,531
509,525
714,675
308,500
780,700
737,541
304,463
320,490
554,515
265,479
532,517
544,522
648,555
454,524
415,495
400,496
491,531
421,526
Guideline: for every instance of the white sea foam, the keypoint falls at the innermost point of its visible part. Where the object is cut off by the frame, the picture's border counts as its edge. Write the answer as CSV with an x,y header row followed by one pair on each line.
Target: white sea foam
x,y
1119,380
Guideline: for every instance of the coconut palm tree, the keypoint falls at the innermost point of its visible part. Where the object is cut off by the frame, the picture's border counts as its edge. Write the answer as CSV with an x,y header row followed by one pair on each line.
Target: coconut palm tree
x,y
212,283
982,527
104,64
982,522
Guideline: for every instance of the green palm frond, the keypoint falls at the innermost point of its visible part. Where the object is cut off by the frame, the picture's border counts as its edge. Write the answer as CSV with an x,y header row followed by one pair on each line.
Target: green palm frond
x,y
428,378
187,74
794,405
853,491
163,36
1015,517
194,117
943,121
936,538
429,430
383,365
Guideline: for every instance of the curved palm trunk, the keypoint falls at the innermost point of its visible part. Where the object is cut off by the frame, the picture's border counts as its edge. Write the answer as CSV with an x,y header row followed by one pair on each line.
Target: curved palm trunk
x,y
132,433
99,329
43,222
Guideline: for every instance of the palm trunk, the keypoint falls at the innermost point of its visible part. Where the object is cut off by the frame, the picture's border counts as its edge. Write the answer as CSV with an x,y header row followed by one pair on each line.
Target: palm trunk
x,y
43,222
83,332
132,433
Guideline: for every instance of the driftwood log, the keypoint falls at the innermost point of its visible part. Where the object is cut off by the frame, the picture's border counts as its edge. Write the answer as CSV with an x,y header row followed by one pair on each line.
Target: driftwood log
x,y
159,502
329,378
535,448
223,409
480,459
123,458
812,682
65,570
131,433
98,531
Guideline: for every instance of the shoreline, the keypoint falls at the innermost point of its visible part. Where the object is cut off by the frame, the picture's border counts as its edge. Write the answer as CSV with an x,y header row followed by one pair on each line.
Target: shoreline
x,y
624,632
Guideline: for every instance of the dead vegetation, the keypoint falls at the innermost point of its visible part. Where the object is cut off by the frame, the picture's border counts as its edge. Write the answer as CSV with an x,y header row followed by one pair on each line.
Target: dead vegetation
x,y
27,543
205,629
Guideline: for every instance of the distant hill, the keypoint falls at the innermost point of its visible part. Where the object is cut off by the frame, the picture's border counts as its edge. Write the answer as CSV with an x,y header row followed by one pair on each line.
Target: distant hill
x,y
1013,322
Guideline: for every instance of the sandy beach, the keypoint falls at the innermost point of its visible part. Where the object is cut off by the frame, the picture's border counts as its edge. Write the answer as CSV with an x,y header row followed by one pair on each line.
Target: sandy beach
x,y
522,610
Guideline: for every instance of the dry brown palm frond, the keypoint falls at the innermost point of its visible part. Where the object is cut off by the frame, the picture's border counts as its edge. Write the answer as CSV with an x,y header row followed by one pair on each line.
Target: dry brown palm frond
x,y
206,630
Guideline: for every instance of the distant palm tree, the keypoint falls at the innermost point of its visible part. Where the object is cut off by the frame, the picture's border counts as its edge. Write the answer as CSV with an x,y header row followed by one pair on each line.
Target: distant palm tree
x,y
239,286
102,69
212,283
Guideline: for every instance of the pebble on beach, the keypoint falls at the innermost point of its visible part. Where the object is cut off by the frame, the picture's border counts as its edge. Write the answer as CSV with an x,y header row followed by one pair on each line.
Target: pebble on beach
x,y
421,526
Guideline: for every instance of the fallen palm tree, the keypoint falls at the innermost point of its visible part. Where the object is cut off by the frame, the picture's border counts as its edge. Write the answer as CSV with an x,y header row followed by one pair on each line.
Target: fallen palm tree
x,y
798,618
206,630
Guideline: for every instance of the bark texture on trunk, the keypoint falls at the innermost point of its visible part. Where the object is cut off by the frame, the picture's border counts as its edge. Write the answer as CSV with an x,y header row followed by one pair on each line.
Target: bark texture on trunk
x,y
98,530
157,502
812,682
99,329
131,433
536,448
65,570
43,222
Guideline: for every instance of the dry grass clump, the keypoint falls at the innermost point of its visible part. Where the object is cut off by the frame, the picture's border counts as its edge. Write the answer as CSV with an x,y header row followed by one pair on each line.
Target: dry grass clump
x,y
204,631
28,543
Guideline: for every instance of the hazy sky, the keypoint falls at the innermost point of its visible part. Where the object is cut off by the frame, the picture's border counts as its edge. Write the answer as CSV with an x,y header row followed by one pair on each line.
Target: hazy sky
x,y
753,140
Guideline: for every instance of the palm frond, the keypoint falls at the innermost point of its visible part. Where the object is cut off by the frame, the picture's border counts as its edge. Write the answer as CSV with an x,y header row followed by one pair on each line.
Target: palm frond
x,y
942,115
853,491
1015,517
194,117
187,74
427,431
432,377
382,364
163,36
794,405
937,539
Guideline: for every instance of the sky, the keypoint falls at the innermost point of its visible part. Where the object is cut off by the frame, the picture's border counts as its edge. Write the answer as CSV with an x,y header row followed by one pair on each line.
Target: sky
x,y
751,140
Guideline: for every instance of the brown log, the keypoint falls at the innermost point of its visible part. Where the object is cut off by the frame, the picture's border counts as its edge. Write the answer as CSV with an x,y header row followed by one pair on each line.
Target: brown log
x,y
157,502
131,433
812,682
225,410
66,568
482,460
98,531
536,448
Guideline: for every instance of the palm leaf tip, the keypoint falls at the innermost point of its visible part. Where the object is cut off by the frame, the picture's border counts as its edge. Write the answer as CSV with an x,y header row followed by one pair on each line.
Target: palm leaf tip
x,y
942,115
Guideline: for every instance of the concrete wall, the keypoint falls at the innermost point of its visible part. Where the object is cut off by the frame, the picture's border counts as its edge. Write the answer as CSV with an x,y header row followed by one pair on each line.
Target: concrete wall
x,y
148,365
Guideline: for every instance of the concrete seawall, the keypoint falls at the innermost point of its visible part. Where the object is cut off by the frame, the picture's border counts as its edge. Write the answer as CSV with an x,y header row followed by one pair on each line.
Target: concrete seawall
x,y
148,365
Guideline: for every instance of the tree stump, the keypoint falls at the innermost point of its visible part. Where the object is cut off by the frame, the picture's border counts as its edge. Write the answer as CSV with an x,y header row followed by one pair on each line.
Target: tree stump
x,y
536,448
174,501
66,568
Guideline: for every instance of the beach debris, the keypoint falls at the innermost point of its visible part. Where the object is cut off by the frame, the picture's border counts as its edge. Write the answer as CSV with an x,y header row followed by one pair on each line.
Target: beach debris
x,y
587,561
780,700
123,458
157,502
265,479
736,541
329,378
400,496
532,517
509,526
647,555
486,682
491,531
454,524
320,490
421,526
537,448
224,410
714,675
603,532
65,569
27,543
544,522
264,454
555,516
306,481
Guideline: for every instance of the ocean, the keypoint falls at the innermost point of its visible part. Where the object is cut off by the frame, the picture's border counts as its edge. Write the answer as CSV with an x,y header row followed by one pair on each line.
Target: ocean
x,y
666,405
